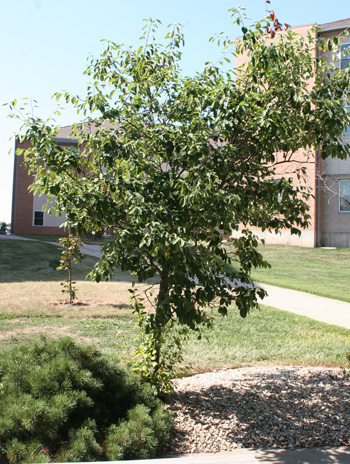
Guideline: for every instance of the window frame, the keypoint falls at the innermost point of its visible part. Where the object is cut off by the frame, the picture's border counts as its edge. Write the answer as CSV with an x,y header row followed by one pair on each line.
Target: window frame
x,y
346,133
35,218
346,58
343,45
342,196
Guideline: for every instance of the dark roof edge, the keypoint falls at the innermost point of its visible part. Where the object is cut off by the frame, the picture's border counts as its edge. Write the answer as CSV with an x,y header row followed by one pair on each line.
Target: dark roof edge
x,y
335,25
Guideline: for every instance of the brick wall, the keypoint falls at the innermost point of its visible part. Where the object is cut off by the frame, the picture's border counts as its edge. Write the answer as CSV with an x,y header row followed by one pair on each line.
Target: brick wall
x,y
308,237
23,201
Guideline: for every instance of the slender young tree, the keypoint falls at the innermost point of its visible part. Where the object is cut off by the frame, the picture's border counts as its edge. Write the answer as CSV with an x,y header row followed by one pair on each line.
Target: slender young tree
x,y
172,164
71,254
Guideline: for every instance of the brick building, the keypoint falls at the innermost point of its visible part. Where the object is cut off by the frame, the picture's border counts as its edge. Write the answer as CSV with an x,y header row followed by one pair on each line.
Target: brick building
x,y
28,216
329,179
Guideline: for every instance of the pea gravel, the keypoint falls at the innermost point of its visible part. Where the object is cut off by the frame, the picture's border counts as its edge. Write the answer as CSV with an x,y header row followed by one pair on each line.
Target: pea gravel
x,y
283,407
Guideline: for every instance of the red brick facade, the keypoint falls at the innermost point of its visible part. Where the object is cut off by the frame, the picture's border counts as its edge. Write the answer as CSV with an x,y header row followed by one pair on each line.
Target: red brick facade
x,y
23,201
308,237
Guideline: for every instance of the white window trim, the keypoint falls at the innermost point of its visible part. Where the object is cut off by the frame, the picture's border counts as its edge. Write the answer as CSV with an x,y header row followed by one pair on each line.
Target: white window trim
x,y
340,197
346,44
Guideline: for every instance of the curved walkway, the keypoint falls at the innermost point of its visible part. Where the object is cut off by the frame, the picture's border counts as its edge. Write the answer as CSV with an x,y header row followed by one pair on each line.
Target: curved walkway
x,y
316,307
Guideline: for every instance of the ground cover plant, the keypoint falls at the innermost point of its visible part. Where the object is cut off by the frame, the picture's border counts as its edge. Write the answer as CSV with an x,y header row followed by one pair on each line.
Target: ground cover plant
x,y
63,402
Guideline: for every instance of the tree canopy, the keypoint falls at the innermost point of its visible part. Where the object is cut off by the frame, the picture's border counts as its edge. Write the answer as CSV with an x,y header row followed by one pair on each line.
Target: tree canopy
x,y
171,164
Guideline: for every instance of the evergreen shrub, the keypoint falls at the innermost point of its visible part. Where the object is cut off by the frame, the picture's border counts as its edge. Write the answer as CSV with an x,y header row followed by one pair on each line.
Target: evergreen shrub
x,y
63,402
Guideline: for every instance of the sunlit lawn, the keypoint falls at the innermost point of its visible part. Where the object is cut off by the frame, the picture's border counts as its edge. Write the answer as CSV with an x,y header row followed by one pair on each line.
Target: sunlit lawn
x,y
324,272
32,303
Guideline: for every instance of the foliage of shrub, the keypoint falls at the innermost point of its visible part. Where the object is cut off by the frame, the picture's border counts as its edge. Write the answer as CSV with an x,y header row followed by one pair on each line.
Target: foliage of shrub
x,y
61,402
3,228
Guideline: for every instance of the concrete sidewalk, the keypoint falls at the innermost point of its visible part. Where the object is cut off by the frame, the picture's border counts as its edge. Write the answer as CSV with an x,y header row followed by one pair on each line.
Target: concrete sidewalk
x,y
235,457
322,455
316,307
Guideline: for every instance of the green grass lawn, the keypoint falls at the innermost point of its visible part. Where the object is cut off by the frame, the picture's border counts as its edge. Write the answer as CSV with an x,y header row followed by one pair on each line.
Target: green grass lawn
x,y
265,337
23,260
324,272
31,304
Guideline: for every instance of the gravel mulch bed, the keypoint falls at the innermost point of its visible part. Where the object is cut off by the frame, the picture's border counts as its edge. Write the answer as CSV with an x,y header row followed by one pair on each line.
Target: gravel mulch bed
x,y
284,407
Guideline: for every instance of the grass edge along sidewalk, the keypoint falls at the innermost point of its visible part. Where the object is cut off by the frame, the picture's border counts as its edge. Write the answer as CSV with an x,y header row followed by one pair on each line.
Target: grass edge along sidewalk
x,y
318,271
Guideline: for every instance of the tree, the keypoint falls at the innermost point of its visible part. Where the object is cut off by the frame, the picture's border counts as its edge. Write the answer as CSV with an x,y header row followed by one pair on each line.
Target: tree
x,y
71,254
173,163
3,228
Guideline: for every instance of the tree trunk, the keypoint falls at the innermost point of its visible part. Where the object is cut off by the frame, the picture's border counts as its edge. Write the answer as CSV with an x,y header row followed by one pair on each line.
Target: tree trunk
x,y
162,296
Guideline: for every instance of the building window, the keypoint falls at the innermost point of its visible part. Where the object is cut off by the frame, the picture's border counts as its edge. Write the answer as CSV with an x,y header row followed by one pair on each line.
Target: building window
x,y
344,196
347,130
38,218
344,56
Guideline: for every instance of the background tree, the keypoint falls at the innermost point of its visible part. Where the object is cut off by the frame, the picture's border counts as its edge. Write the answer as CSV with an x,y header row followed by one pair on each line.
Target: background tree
x,y
172,163
3,228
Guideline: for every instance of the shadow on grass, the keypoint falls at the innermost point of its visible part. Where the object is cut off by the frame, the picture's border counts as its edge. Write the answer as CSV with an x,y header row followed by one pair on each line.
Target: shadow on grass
x,y
31,261
83,304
